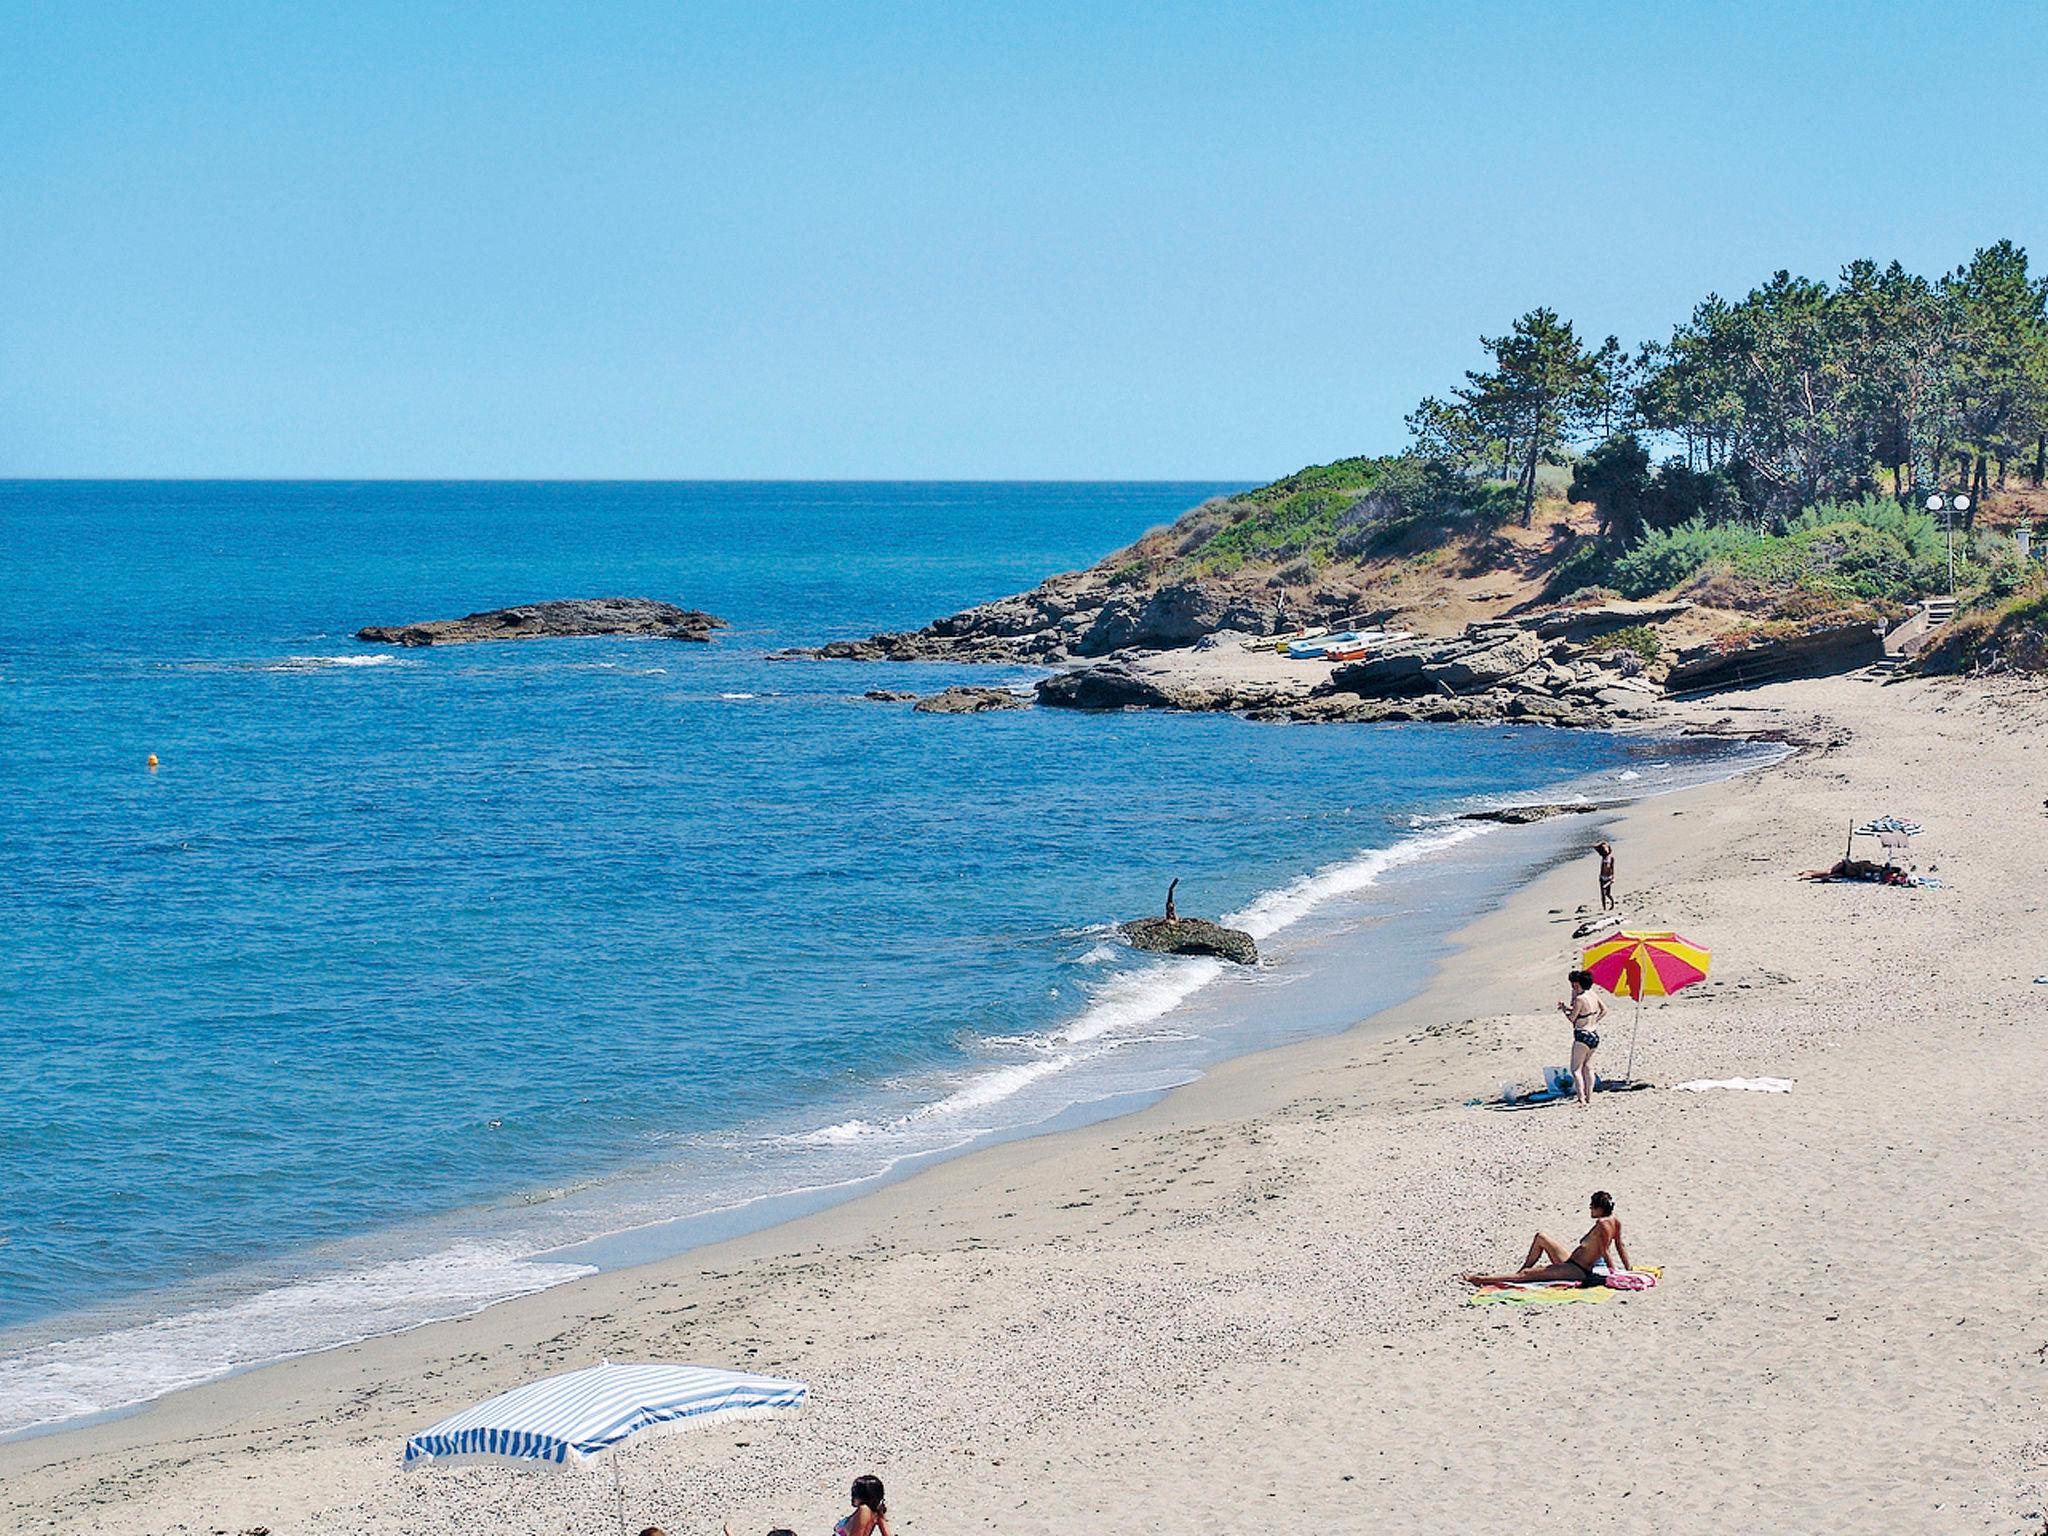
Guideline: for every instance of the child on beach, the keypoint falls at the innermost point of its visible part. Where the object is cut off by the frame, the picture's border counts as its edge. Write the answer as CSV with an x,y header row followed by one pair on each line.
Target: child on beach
x,y
1583,1011
1606,852
1601,1239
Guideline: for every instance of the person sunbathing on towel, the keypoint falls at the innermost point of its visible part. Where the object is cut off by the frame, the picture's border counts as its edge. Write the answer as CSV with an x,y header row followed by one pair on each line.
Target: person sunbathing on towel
x,y
1847,869
1604,1238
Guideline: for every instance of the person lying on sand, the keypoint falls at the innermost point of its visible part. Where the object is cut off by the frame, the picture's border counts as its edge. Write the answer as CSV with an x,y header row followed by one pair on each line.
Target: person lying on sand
x,y
1850,869
1603,1238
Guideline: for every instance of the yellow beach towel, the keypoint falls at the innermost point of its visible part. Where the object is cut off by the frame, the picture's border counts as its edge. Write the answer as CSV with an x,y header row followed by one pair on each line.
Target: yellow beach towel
x,y
1551,1292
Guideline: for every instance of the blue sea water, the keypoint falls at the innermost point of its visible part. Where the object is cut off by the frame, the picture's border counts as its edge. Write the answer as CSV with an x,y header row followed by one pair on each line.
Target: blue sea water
x,y
406,968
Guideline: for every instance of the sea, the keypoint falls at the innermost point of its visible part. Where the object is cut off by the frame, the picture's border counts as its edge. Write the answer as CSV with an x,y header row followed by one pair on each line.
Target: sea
x,y
412,980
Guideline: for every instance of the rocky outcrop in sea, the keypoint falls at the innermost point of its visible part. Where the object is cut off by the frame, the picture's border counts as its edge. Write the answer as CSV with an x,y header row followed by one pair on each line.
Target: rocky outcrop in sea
x,y
561,619
969,701
1191,936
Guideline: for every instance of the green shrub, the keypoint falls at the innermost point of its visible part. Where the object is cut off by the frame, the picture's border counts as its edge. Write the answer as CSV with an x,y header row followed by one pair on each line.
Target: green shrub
x,y
1584,566
1870,551
2011,636
1666,556
1639,638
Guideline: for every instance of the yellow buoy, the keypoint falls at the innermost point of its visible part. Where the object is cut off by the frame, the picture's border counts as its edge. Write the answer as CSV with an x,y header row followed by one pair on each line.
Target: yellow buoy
x,y
152,760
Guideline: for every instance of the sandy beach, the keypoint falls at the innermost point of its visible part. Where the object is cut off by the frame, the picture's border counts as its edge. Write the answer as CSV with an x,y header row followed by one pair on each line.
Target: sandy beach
x,y
1236,1308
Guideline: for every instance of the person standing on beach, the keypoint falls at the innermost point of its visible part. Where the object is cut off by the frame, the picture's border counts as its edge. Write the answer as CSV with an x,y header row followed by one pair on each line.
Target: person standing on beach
x,y
1583,1010
1606,852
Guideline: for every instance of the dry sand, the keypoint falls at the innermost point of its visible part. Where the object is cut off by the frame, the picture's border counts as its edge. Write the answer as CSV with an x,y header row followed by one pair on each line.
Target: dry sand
x,y
1234,1310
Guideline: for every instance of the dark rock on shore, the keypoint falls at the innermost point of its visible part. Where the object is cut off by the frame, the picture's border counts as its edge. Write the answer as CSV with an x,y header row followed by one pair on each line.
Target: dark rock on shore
x,y
969,701
564,619
1109,686
1522,815
1481,658
1818,652
1191,936
1591,619
889,695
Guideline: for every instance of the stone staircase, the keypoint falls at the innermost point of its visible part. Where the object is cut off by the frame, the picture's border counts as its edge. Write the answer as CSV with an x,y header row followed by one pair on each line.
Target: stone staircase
x,y
1912,634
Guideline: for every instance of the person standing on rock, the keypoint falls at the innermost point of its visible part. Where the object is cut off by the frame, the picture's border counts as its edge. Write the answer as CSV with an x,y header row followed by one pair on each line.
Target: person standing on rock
x,y
1606,852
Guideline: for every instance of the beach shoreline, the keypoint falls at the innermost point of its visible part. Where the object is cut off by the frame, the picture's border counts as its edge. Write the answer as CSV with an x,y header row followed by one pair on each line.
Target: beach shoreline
x,y
1343,940
1029,1265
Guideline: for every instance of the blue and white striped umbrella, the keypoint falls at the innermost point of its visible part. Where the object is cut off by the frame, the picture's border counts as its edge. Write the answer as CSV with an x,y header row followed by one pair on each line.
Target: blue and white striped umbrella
x,y
1885,824
565,1420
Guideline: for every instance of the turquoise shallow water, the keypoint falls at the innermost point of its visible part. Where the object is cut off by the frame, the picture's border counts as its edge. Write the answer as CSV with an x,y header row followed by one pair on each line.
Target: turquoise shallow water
x,y
405,965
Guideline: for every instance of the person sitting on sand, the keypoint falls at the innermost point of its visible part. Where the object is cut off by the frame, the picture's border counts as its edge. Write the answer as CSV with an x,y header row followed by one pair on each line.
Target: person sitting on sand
x,y
1606,852
1603,1238
1583,1011
870,1515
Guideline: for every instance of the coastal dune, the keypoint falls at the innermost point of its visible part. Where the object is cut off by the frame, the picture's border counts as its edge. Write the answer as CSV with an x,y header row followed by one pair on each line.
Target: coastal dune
x,y
1237,1307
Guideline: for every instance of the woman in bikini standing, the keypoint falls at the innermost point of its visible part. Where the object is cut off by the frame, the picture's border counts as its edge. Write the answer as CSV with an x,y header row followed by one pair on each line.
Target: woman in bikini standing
x,y
1584,1011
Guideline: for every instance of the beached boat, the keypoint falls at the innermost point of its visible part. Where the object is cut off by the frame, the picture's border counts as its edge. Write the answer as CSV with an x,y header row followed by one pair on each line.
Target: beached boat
x,y
1351,645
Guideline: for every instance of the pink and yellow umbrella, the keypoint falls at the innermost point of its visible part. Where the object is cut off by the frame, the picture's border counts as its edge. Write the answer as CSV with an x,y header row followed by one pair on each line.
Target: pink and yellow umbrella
x,y
1641,965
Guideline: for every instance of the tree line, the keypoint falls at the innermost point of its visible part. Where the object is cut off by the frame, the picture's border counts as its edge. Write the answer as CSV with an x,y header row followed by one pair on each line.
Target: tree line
x,y
1799,393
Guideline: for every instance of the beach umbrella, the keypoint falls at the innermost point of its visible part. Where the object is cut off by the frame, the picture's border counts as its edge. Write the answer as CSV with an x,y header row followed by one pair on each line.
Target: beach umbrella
x,y
567,1420
1892,831
1641,965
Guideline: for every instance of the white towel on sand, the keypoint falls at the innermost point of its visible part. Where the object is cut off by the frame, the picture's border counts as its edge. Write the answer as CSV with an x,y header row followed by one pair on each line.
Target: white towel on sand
x,y
1746,1084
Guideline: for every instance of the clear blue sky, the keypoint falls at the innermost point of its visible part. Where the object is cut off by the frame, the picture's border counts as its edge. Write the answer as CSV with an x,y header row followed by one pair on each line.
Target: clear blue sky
x,y
873,240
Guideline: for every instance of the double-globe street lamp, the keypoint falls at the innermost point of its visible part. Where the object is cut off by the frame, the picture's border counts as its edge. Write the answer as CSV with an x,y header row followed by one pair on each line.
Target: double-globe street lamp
x,y
1948,506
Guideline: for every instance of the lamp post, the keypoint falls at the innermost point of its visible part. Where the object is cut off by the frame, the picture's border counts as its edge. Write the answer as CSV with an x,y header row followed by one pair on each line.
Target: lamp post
x,y
1948,506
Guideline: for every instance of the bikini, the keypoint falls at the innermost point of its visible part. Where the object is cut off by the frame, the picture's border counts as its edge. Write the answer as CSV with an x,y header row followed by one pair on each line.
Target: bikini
x,y
1589,1038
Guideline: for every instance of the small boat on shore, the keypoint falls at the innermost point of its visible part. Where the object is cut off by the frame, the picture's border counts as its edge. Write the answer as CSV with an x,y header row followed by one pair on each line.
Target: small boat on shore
x,y
1347,645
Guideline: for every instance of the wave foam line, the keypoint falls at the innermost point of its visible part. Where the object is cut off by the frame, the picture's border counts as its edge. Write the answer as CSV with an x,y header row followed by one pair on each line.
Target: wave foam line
x,y
120,1367
1266,915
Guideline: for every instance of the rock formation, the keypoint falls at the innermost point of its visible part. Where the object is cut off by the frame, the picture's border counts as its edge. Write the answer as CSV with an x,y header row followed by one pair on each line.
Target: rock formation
x,y
1191,936
562,619
969,701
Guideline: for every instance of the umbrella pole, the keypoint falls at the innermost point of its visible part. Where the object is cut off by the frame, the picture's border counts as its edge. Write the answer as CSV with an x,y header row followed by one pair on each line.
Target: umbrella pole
x,y
619,1486
1634,1029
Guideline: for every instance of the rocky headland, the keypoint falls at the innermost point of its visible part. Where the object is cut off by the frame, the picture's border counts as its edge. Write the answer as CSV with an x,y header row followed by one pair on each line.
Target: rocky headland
x,y
563,619
1492,621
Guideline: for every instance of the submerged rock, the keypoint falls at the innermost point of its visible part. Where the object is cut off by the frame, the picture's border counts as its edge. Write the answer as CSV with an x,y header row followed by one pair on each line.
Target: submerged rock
x,y
969,701
566,618
1191,936
889,695
1522,815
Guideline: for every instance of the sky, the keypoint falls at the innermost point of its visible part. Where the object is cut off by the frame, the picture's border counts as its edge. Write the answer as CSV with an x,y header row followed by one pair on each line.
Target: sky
x,y
1015,240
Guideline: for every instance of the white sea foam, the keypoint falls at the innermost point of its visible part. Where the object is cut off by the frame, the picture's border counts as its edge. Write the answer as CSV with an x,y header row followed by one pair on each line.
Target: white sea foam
x,y
1135,998
322,663
122,1366
1268,914
739,695
988,1089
